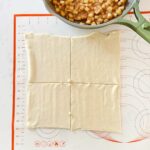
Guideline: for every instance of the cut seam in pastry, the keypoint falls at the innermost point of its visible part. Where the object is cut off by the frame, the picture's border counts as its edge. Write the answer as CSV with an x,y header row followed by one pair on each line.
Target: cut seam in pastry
x,y
72,83
70,113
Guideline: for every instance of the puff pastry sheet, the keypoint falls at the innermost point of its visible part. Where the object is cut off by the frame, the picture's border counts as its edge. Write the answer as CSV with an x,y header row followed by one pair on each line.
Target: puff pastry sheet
x,y
74,82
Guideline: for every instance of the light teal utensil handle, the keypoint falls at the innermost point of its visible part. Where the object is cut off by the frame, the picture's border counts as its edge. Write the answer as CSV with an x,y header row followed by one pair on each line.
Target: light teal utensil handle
x,y
141,27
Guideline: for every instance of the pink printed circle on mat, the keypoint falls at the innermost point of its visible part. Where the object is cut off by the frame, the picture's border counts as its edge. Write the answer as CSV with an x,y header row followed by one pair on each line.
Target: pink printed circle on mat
x,y
130,112
140,47
47,133
143,123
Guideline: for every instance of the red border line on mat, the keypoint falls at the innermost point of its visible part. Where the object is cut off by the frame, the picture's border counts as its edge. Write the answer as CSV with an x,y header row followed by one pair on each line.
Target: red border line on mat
x,y
14,69
142,12
32,15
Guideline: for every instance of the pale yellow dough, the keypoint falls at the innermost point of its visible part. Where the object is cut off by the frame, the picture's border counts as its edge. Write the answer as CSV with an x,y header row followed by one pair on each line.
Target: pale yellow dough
x,y
95,107
49,58
95,58
48,105
74,83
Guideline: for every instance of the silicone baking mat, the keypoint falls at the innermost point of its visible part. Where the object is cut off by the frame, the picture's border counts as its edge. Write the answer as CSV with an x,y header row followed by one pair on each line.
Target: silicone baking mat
x,y
135,95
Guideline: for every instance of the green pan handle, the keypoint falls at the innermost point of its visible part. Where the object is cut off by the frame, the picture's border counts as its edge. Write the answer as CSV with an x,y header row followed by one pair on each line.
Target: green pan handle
x,y
141,27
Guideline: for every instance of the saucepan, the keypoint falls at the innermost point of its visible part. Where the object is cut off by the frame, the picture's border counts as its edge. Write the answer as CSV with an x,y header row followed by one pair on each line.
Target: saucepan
x,y
141,26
